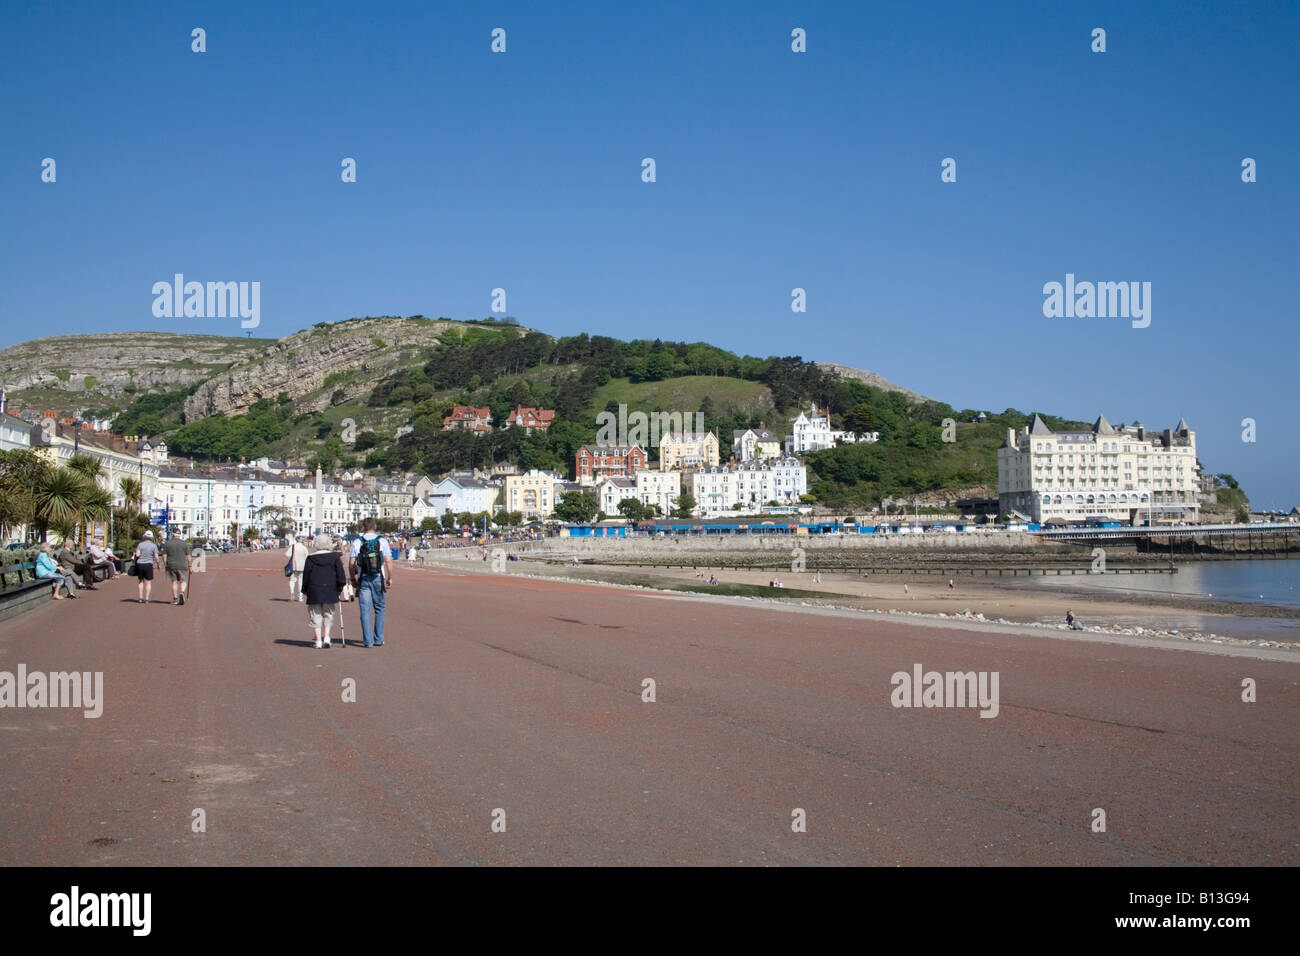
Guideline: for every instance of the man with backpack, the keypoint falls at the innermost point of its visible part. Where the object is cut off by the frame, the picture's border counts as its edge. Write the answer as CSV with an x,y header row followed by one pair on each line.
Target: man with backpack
x,y
372,569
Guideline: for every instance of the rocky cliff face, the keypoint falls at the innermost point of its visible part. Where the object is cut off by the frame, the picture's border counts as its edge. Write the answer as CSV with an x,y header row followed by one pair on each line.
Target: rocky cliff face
x,y
871,378
76,371
358,353
102,367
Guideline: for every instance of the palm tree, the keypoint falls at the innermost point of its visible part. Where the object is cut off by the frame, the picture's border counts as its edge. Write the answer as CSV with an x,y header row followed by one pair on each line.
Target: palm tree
x,y
131,491
88,466
65,528
60,497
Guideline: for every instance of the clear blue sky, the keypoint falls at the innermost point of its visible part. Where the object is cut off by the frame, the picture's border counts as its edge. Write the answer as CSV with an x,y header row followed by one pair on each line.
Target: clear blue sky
x,y
775,170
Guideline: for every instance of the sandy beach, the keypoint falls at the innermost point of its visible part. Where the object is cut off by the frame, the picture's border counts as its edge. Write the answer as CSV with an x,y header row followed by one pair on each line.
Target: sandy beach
x,y
1024,602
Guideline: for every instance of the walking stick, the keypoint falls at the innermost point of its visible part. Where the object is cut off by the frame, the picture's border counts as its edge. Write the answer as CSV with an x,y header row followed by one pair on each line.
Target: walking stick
x,y
343,637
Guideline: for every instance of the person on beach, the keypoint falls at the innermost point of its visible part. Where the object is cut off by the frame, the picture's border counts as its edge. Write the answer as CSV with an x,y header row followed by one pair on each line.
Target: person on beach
x,y
372,569
950,584
146,556
1070,621
47,570
322,584
176,562
904,588
297,553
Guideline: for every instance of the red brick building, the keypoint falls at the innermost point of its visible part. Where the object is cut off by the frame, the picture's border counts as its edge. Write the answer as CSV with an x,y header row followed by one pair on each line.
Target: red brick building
x,y
597,462
468,418
530,418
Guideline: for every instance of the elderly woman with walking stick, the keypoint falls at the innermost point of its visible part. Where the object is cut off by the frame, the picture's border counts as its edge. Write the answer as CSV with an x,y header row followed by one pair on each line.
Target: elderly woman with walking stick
x,y
322,585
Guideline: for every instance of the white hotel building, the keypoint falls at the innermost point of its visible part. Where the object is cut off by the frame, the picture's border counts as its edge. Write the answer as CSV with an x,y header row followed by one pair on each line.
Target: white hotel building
x,y
749,484
1123,473
658,488
207,504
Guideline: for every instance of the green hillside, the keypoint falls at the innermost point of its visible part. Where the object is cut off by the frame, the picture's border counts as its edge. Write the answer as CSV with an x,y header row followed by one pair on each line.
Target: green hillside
x,y
688,394
410,380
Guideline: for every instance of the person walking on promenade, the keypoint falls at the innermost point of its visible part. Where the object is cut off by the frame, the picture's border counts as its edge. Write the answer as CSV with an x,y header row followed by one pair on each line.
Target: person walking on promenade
x,y
297,553
322,583
146,556
176,561
372,569
47,570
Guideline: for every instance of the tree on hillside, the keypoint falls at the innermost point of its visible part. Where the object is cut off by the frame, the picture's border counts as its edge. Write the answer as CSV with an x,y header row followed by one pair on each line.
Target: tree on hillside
x,y
860,418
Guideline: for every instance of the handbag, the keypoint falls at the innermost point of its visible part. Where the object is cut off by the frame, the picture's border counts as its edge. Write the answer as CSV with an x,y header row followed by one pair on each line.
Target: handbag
x,y
288,569
130,569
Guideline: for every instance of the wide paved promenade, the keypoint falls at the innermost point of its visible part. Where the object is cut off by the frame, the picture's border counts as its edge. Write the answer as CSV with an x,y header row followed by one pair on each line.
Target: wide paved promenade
x,y
520,700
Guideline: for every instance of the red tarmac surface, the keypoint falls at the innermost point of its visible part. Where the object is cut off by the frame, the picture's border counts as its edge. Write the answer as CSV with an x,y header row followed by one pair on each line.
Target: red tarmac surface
x,y
525,695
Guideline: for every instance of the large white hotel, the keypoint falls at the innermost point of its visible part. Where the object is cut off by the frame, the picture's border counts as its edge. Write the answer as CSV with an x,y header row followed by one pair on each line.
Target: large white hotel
x,y
1122,473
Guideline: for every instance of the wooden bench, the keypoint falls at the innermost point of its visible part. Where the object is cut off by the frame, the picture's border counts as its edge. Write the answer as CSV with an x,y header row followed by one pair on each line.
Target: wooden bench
x,y
18,595
17,571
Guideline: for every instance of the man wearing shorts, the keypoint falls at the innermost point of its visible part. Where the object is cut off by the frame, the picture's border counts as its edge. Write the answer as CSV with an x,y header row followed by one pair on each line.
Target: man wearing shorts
x,y
146,556
176,559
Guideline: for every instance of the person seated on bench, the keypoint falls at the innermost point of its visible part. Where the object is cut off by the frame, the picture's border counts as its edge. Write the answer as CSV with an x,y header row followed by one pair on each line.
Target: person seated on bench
x,y
97,557
70,567
47,570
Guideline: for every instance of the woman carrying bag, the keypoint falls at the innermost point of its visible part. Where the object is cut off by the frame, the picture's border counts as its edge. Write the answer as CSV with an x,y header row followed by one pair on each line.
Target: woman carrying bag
x,y
322,584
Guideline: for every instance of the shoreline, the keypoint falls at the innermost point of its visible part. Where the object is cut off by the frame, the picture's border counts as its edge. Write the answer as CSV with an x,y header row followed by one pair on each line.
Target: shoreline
x,y
1026,610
